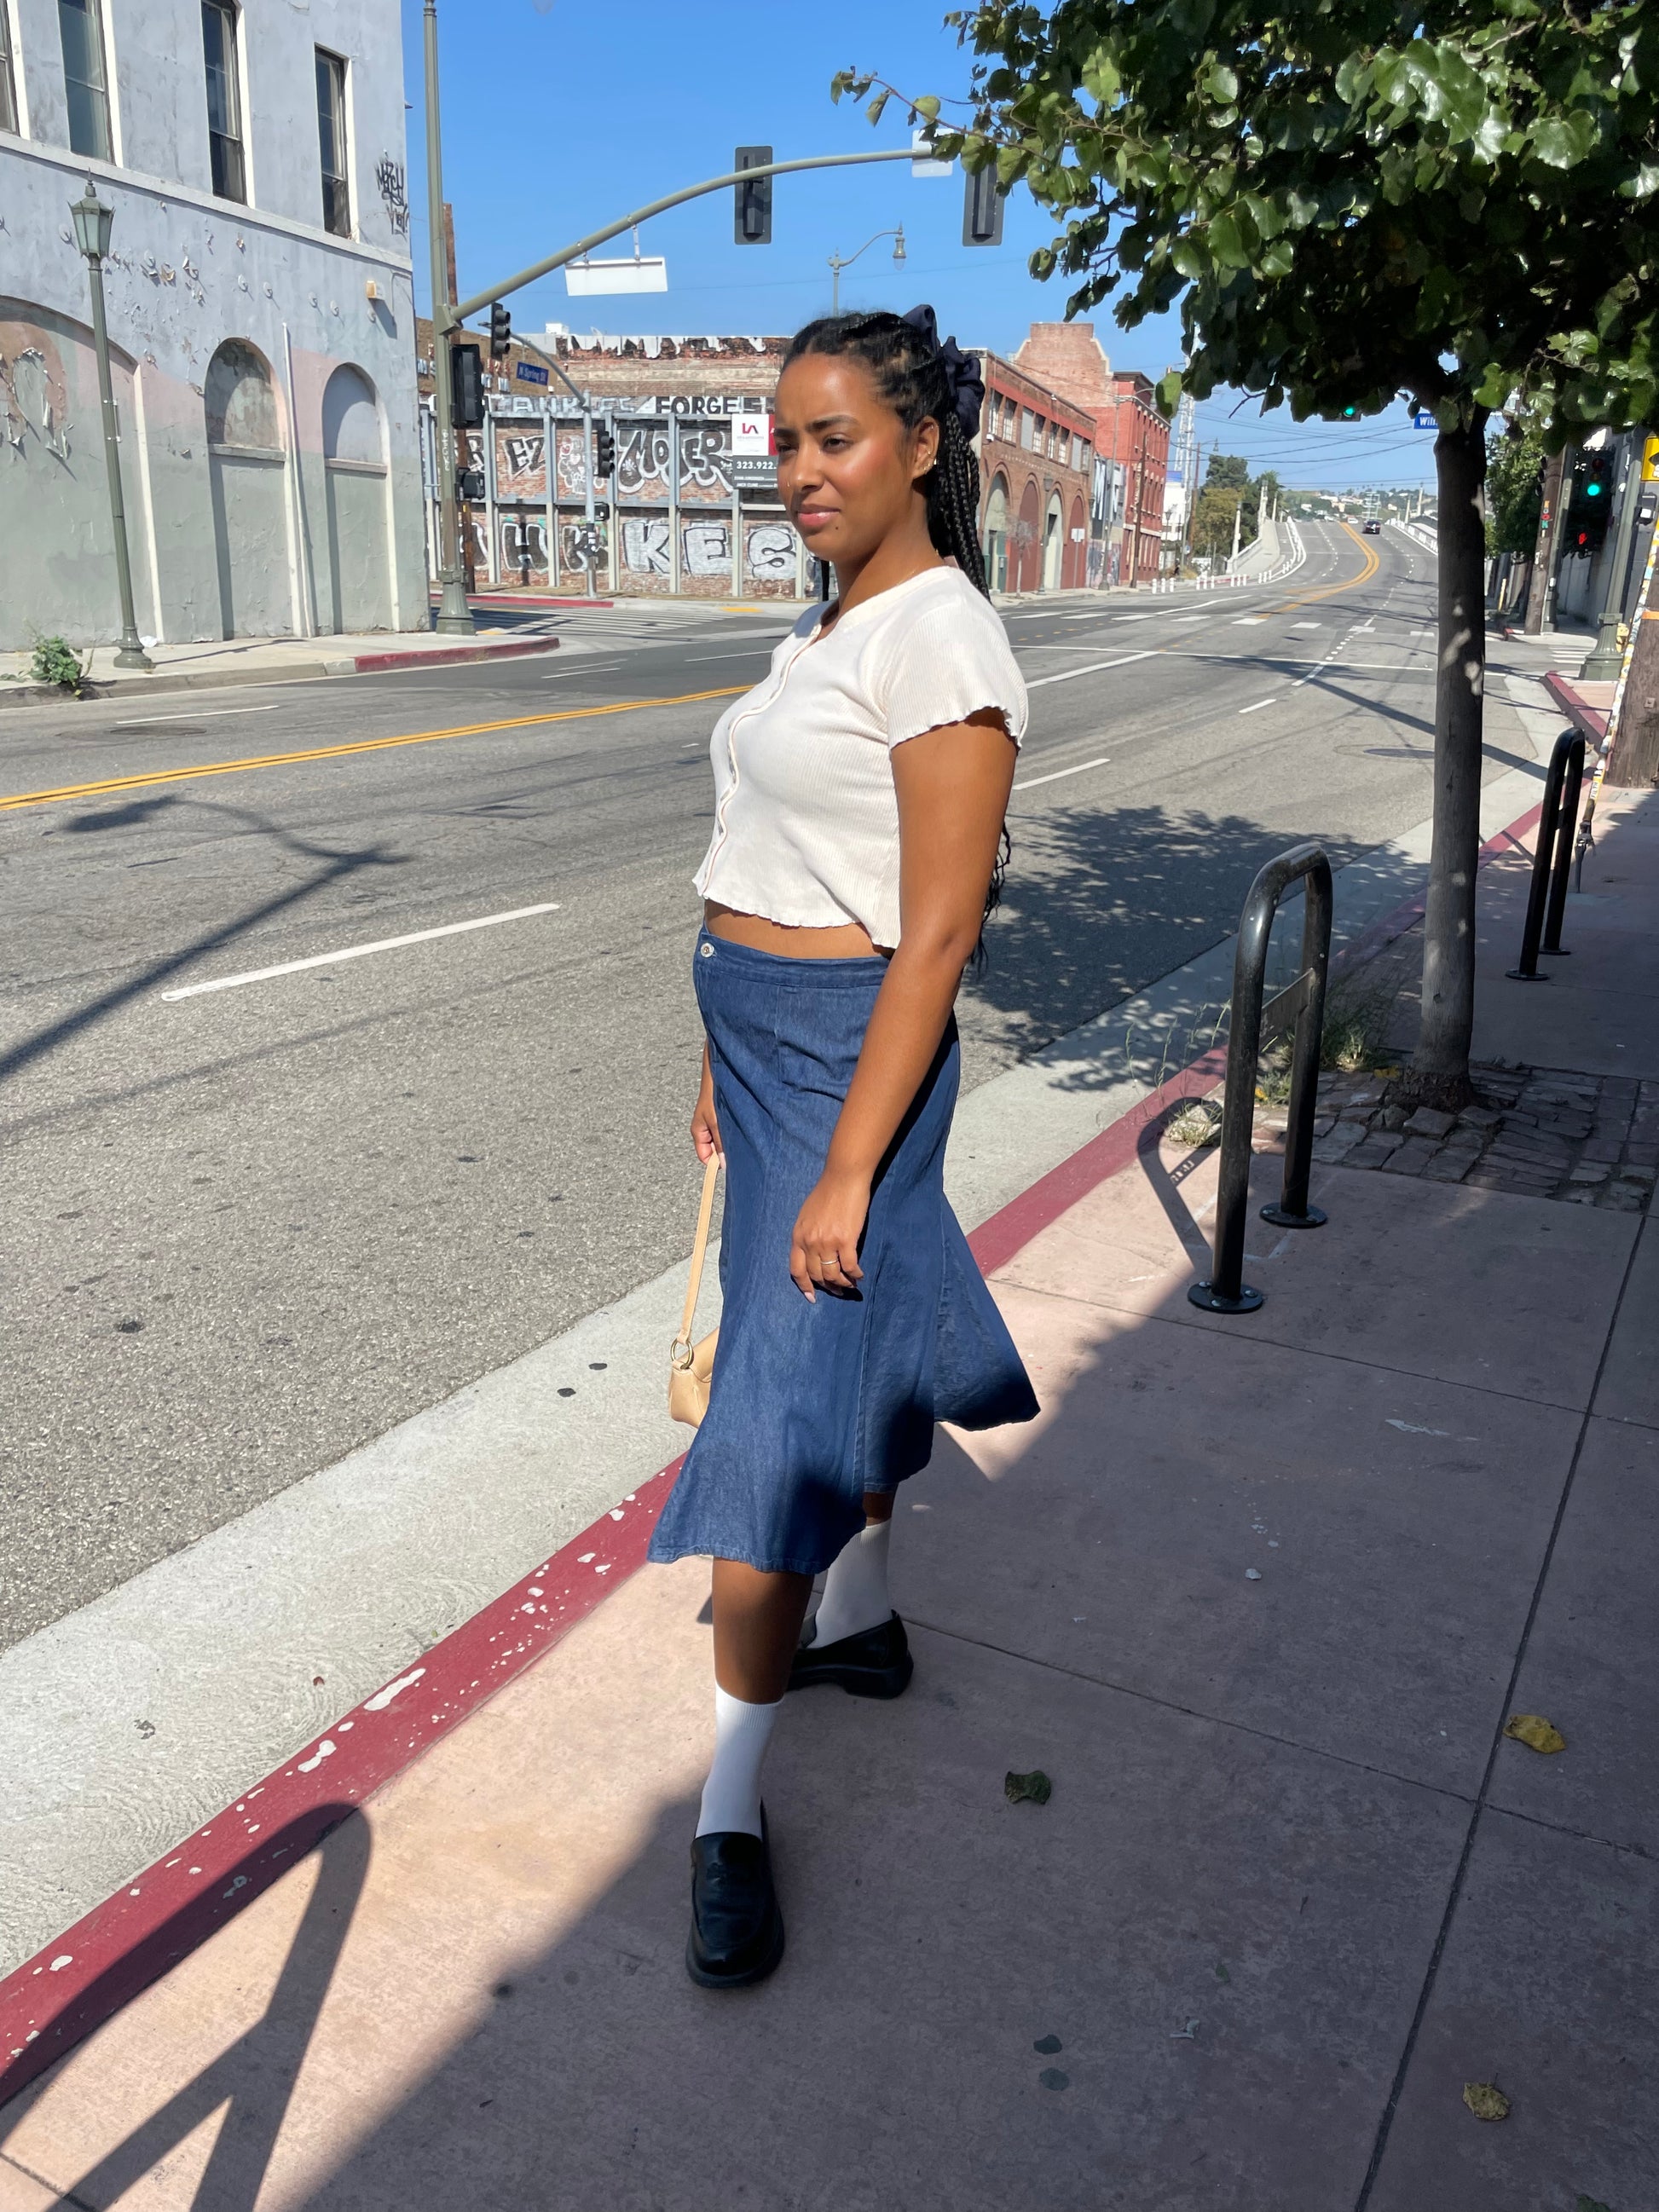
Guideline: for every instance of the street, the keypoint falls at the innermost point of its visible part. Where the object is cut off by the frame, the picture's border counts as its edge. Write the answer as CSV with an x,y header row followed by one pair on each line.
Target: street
x,y
252,1227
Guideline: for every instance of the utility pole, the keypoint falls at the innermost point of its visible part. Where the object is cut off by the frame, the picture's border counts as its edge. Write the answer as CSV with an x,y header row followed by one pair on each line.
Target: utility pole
x,y
454,615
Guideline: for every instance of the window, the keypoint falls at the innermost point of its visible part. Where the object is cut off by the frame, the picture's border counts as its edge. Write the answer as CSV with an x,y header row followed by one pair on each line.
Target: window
x,y
1027,430
8,82
80,22
331,137
224,100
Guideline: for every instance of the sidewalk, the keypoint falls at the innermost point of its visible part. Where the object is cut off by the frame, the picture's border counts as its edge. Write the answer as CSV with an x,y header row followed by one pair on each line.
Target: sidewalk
x,y
1257,1593
211,663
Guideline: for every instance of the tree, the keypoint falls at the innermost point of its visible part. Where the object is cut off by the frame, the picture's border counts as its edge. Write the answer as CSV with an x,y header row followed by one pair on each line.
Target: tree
x,y
1515,475
1228,471
1213,521
1453,203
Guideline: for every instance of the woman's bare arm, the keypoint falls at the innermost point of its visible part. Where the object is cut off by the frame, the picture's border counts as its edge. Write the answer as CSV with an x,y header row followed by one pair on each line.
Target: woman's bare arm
x,y
953,786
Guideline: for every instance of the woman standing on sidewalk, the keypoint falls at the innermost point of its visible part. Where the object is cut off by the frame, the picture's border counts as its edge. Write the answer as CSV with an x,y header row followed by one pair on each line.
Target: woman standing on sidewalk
x,y
861,789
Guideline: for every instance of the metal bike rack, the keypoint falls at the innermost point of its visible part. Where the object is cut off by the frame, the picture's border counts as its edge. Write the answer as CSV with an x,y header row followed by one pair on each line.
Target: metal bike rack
x,y
1552,862
1302,1004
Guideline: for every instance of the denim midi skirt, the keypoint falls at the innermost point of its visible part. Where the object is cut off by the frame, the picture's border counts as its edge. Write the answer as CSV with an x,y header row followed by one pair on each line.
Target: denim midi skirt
x,y
812,1404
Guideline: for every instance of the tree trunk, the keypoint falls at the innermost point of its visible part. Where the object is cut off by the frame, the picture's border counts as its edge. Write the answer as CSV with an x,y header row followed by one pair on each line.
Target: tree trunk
x,y
1543,552
1439,1072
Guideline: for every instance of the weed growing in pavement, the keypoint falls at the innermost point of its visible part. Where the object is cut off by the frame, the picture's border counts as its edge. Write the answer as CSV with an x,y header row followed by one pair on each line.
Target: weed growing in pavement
x,y
56,661
1356,1028
1198,1123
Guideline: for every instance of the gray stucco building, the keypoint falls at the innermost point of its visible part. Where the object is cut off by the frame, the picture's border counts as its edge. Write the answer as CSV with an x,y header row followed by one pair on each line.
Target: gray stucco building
x,y
261,319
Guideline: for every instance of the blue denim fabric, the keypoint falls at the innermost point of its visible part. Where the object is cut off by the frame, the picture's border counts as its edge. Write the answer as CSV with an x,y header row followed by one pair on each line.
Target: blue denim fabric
x,y
811,1404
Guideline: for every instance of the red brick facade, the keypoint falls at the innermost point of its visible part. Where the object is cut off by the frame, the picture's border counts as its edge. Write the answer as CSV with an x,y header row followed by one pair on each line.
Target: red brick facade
x,y
1129,432
1037,454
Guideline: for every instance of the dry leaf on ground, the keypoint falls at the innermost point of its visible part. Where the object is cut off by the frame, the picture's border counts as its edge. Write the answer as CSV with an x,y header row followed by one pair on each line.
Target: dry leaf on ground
x,y
1485,2100
1535,1732
1032,1789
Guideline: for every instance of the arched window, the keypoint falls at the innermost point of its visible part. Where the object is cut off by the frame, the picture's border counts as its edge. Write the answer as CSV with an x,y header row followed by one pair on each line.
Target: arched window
x,y
351,419
241,400
996,534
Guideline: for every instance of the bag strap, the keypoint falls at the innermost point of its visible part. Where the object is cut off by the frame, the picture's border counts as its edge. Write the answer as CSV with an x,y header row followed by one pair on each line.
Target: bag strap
x,y
705,1215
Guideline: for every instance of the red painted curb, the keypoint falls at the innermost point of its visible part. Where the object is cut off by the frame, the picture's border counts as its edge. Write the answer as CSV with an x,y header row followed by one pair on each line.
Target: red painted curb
x,y
55,2000
445,656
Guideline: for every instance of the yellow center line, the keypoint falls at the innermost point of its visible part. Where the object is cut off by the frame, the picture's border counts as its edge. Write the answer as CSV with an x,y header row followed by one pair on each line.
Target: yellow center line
x,y
1372,564
10,802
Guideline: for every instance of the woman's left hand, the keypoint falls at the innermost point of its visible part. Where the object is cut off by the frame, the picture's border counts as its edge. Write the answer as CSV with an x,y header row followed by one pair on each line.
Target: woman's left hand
x,y
824,1250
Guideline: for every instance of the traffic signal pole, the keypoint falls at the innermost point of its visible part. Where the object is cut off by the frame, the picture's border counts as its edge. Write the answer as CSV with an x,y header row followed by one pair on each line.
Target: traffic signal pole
x,y
1606,656
454,615
452,315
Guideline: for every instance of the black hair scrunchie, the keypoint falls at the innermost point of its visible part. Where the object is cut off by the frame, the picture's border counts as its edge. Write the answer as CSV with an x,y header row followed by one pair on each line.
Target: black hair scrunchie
x,y
963,380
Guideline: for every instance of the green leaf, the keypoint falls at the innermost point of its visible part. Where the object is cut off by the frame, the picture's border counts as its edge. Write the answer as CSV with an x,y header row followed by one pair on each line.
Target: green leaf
x,y
874,109
1168,391
927,106
1189,256
1222,85
1643,185
1562,141
1101,77
1225,242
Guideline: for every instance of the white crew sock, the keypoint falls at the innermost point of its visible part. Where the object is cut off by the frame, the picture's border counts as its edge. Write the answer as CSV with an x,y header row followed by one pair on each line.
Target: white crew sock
x,y
731,1796
856,1589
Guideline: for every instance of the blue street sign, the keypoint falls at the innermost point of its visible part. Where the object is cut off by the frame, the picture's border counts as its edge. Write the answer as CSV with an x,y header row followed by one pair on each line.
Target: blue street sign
x,y
1424,422
527,372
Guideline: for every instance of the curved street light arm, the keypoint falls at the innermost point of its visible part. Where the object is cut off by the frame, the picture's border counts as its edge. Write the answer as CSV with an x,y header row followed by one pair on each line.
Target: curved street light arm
x,y
447,318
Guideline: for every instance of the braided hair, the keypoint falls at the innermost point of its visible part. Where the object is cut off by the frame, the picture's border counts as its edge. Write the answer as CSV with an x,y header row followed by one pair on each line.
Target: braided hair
x,y
909,369
917,378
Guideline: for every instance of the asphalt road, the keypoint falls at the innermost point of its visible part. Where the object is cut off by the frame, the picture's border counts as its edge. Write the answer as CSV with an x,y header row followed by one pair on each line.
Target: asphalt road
x,y
249,1228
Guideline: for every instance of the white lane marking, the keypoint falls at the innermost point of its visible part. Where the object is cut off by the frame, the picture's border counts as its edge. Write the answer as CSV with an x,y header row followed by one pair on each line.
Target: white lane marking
x,y
1259,705
741,653
208,715
1307,625
358,952
1239,621
1149,617
1031,782
1092,669
581,667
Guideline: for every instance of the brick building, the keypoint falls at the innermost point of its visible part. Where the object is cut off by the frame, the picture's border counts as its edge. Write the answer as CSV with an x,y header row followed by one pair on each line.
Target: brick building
x,y
1131,439
1037,454
694,510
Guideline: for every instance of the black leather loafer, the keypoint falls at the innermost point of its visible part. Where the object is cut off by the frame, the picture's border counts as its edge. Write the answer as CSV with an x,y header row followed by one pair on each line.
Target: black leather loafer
x,y
876,1664
737,1930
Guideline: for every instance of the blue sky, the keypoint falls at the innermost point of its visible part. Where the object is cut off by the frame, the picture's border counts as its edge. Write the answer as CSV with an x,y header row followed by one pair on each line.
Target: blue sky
x,y
559,116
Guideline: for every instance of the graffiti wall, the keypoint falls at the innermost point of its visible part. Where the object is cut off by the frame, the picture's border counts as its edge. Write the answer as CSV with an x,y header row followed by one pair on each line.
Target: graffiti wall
x,y
671,534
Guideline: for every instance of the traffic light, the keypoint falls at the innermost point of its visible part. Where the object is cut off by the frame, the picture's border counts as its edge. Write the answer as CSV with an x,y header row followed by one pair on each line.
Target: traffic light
x,y
466,372
751,216
1589,503
469,484
500,332
604,452
981,207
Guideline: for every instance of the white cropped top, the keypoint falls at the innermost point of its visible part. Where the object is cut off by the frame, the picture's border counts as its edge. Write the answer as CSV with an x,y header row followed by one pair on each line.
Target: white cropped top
x,y
806,829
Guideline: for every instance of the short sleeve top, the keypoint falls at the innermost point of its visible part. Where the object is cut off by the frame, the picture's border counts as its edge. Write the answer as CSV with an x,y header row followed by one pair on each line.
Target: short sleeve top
x,y
806,827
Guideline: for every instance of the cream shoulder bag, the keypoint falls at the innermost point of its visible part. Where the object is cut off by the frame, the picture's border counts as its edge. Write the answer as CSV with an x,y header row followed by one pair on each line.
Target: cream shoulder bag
x,y
691,1366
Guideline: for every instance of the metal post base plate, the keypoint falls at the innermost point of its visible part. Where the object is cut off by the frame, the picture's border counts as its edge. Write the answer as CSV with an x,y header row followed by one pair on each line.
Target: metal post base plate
x,y
1313,1218
1523,975
1201,1295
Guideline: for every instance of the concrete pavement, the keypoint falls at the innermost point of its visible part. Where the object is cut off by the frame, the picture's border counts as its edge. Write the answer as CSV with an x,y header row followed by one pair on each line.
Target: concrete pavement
x,y
1258,1594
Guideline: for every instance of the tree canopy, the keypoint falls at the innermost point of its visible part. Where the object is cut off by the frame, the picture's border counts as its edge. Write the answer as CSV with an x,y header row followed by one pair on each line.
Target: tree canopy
x,y
1345,202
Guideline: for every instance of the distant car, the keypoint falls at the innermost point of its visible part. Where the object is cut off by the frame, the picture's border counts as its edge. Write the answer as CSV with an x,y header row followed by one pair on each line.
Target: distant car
x,y
1371,527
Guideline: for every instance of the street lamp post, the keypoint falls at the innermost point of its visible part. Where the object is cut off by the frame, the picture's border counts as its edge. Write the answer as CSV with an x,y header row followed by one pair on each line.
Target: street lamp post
x,y
836,263
93,224
454,615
